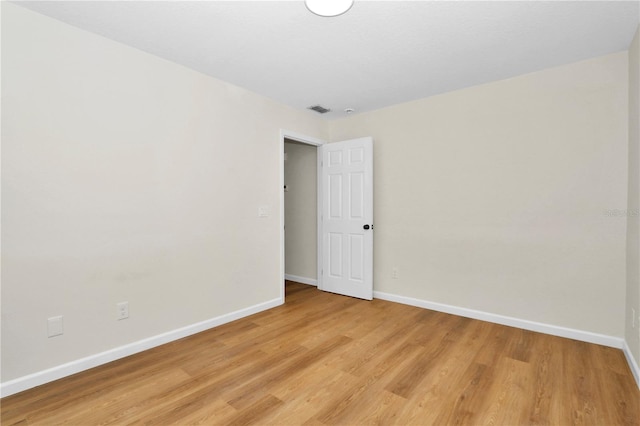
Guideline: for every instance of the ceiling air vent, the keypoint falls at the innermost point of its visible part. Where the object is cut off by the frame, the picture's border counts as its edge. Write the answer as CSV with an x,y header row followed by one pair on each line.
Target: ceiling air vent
x,y
320,109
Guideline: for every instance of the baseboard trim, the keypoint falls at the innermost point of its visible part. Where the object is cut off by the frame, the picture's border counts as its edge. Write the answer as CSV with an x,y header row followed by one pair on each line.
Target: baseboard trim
x,y
633,364
302,280
585,336
36,379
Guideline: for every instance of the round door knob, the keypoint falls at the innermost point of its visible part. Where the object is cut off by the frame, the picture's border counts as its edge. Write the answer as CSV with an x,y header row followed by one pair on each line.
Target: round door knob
x,y
366,227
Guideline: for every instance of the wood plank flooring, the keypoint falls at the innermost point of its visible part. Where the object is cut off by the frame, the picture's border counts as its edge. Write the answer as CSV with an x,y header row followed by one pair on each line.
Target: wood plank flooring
x,y
324,359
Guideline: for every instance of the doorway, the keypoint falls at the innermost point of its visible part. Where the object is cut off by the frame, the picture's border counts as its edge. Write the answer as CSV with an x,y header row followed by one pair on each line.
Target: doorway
x,y
300,212
299,209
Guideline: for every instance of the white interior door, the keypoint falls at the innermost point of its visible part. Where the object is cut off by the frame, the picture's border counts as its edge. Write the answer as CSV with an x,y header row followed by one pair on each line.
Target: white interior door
x,y
347,218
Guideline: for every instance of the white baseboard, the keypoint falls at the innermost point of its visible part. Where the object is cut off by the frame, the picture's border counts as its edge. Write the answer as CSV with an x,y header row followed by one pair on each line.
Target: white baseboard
x,y
302,280
633,364
585,336
36,379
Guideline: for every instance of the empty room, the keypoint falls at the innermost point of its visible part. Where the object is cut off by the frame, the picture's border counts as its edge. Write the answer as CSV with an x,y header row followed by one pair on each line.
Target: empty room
x,y
318,212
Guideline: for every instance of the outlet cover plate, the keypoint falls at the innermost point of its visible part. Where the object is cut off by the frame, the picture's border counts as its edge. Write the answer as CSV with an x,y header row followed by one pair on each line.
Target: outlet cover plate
x,y
122,310
55,326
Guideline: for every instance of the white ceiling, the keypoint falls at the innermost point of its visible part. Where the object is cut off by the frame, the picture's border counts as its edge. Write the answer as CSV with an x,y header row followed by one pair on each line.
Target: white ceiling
x,y
378,54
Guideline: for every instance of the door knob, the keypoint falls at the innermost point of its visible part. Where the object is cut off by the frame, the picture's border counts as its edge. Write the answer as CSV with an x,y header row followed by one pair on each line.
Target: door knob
x,y
366,227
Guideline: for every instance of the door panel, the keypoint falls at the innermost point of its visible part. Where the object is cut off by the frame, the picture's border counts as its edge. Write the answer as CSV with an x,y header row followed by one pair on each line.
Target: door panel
x,y
335,255
347,206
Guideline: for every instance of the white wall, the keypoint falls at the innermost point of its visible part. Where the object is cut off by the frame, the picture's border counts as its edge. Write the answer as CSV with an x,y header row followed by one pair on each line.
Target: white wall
x,y
128,178
300,206
495,197
633,208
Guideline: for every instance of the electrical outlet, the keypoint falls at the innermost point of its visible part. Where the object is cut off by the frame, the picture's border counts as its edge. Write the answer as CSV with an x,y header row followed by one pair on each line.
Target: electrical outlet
x,y
55,326
394,273
122,310
263,211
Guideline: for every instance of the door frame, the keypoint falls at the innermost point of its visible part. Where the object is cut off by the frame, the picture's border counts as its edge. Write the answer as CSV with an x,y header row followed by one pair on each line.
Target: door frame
x,y
298,137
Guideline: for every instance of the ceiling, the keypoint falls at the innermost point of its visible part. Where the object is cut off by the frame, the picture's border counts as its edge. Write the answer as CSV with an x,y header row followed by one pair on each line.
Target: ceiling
x,y
380,53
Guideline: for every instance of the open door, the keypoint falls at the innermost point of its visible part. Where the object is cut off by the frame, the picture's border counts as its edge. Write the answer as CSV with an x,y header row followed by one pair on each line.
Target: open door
x,y
346,221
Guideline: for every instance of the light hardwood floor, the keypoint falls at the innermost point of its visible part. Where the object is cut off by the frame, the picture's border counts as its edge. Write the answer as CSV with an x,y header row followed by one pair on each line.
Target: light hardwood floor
x,y
327,359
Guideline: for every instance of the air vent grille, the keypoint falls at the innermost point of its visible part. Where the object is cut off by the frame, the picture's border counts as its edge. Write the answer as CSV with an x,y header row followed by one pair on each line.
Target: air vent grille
x,y
320,109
